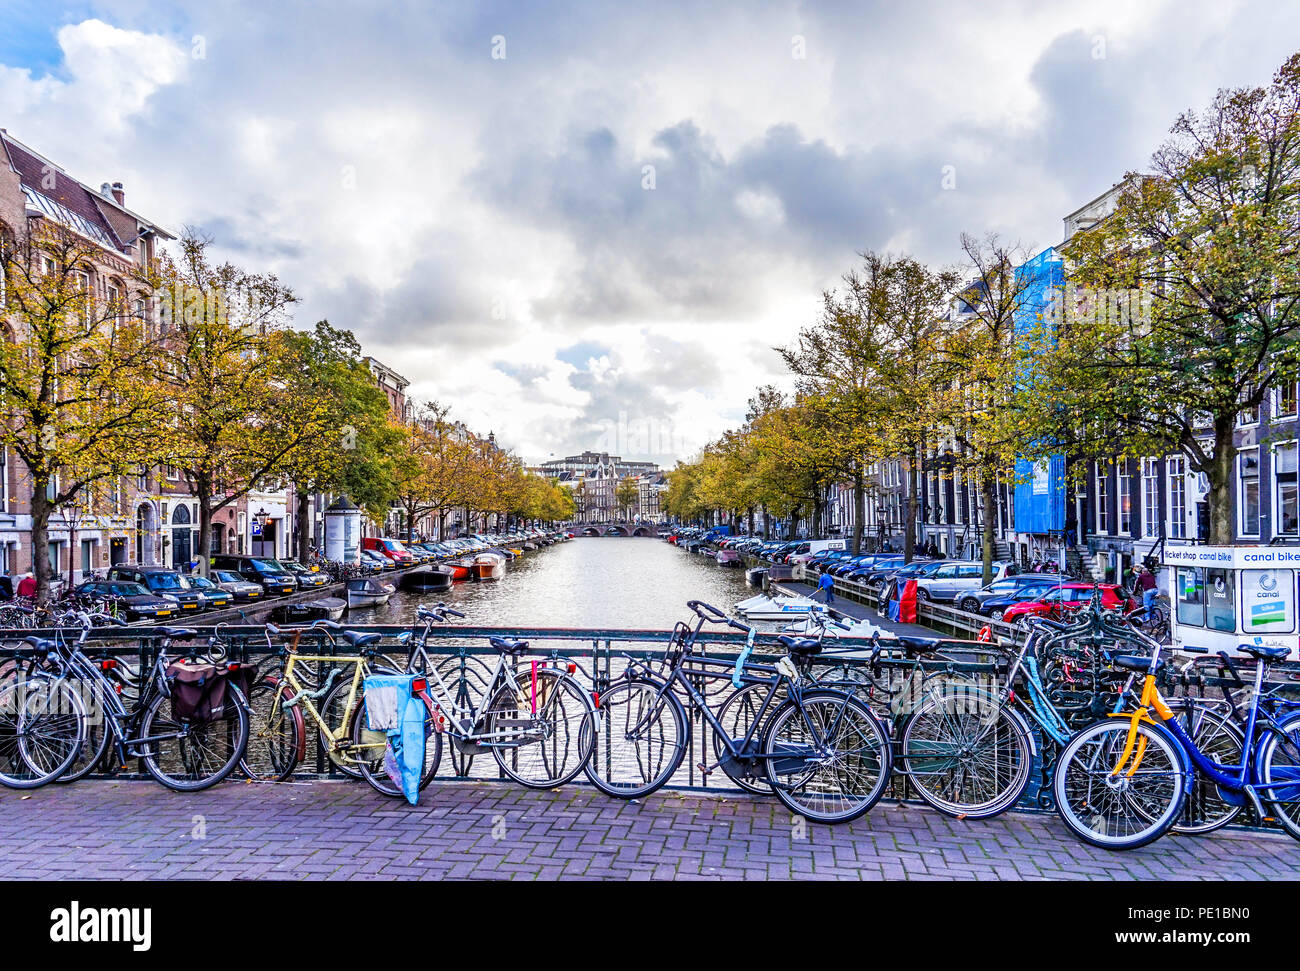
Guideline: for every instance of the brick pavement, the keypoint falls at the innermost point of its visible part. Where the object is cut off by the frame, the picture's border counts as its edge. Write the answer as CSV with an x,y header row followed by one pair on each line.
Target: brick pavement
x,y
331,830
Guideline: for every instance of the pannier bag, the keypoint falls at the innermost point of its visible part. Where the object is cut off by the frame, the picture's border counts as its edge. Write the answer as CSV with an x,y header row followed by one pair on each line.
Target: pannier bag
x,y
198,691
392,708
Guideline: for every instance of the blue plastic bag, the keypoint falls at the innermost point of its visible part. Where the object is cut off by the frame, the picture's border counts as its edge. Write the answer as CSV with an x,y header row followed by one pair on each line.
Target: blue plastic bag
x,y
391,707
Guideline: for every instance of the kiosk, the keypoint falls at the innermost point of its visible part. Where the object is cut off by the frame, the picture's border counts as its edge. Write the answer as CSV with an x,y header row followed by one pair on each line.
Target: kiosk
x,y
1222,596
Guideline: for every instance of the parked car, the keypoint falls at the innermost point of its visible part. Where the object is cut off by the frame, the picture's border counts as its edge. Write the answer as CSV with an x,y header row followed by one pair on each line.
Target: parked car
x,y
237,586
162,582
135,598
996,607
214,598
274,577
308,579
377,561
950,580
972,600
391,548
1059,602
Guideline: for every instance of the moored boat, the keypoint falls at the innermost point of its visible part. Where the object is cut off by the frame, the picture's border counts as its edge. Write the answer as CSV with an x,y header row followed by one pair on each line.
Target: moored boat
x,y
435,578
774,608
325,608
461,568
369,592
489,566
729,558
755,576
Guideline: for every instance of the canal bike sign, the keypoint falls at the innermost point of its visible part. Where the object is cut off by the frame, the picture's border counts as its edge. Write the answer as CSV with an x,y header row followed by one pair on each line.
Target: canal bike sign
x,y
1223,596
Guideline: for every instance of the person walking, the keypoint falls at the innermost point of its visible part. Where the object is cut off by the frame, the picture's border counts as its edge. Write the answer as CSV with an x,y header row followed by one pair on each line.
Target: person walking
x,y
1146,582
827,585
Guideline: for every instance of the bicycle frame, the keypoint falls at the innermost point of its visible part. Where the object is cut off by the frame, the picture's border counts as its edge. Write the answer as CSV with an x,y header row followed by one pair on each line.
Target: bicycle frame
x,y
307,698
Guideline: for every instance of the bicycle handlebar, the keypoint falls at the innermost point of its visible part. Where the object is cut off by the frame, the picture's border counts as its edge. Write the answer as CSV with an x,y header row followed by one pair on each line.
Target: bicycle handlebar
x,y
706,611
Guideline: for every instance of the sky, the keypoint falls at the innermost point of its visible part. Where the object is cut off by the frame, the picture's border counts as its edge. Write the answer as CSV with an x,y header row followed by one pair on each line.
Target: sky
x,y
587,226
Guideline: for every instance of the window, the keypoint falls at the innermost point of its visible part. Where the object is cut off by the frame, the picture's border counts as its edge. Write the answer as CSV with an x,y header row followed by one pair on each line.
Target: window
x,y
1248,491
1150,497
1220,600
1125,491
1103,511
1189,595
1177,466
1284,401
1284,490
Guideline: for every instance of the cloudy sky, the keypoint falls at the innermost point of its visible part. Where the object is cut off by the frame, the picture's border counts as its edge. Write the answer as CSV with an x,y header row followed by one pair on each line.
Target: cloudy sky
x,y
586,225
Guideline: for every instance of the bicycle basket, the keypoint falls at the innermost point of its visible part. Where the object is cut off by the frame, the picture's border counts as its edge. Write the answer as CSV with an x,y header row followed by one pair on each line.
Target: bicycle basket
x,y
198,691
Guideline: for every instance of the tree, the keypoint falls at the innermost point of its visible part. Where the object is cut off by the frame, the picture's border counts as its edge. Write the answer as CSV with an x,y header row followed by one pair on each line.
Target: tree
x,y
356,445
835,362
76,376
986,355
1209,242
237,411
432,474
627,494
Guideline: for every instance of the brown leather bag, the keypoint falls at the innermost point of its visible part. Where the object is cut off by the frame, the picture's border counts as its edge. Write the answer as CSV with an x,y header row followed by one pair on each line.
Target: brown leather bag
x,y
198,691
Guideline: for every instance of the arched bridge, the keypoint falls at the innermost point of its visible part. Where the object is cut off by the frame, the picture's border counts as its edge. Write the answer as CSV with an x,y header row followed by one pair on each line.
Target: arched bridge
x,y
618,529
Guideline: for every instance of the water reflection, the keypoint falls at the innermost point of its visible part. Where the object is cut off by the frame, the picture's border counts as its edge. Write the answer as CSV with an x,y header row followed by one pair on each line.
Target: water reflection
x,y
597,581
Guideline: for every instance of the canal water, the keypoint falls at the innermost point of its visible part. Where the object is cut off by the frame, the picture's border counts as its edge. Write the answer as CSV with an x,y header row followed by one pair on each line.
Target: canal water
x,y
590,581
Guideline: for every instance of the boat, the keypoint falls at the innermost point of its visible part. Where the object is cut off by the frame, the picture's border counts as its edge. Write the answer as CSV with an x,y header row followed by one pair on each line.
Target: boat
x,y
489,566
764,607
756,576
461,568
369,592
325,608
432,580
729,558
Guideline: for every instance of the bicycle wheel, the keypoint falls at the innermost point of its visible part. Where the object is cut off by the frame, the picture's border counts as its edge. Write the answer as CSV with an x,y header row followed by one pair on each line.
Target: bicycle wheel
x,y
1219,739
42,729
369,748
277,737
94,747
191,756
640,741
1124,810
736,715
544,731
835,757
966,754
1279,761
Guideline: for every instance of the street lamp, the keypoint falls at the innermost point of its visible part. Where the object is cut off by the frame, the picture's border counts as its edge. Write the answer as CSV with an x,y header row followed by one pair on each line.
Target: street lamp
x,y
261,516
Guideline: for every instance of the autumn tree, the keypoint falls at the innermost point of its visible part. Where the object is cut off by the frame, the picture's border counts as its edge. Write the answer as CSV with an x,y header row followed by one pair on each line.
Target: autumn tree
x,y
626,495
1187,306
76,376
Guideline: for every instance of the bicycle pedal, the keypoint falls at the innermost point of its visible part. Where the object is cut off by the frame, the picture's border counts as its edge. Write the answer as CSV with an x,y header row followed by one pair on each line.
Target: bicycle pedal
x,y
704,769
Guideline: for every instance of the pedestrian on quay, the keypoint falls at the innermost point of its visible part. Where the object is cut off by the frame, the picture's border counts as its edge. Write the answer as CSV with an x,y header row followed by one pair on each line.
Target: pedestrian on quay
x,y
27,585
1146,582
827,585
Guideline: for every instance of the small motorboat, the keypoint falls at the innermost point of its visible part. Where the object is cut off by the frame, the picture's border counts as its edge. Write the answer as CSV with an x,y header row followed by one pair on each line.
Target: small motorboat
x,y
729,558
755,577
489,566
763,607
461,569
325,608
433,580
369,592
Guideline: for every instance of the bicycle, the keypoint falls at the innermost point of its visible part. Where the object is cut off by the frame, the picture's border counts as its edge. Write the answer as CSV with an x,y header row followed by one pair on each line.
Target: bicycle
x,y
824,753
283,701
183,754
539,723
1123,782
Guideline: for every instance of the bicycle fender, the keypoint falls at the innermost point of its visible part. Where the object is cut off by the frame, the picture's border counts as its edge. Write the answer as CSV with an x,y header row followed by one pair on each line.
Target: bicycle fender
x,y
1289,724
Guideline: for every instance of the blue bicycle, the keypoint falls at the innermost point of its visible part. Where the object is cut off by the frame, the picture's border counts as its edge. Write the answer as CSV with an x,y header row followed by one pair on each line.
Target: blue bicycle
x,y
1123,781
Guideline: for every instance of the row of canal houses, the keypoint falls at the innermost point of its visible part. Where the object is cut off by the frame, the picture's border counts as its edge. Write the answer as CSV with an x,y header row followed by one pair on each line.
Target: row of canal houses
x,y
1119,513
152,517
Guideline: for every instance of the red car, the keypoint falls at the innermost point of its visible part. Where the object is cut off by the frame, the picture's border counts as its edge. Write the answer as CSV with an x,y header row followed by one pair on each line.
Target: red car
x,y
1060,602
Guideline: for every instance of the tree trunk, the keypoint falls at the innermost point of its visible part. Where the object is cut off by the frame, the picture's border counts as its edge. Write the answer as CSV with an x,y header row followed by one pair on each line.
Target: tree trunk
x,y
203,489
41,510
989,519
859,508
909,516
1219,474
303,538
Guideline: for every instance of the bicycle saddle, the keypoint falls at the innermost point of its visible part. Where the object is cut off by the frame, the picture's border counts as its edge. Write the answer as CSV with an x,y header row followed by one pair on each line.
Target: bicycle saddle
x,y
918,645
359,639
1135,662
41,643
507,646
801,645
1262,653
178,633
